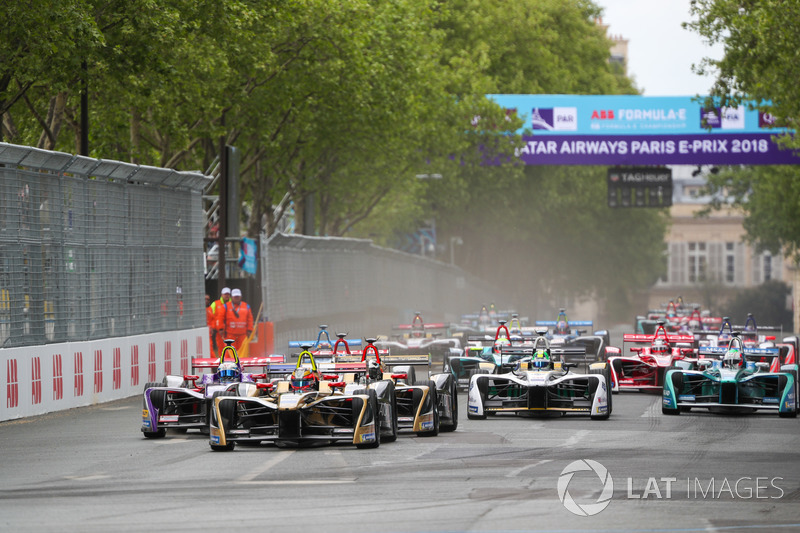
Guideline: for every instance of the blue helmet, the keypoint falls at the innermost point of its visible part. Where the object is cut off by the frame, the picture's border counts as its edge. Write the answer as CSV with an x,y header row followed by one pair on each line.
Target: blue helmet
x,y
229,372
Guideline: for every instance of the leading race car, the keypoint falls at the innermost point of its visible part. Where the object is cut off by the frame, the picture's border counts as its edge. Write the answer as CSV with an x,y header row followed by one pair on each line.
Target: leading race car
x,y
740,382
645,358
182,402
311,407
543,385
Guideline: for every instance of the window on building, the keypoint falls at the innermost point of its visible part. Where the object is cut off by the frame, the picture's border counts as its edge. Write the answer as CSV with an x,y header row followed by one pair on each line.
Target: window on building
x,y
767,267
730,262
698,261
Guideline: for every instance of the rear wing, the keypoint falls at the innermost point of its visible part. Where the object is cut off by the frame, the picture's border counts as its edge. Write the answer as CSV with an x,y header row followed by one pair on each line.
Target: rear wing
x,y
570,323
518,352
645,338
248,362
392,360
719,351
317,344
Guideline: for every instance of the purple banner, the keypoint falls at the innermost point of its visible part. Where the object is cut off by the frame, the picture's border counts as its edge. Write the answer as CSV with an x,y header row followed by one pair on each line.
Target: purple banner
x,y
705,149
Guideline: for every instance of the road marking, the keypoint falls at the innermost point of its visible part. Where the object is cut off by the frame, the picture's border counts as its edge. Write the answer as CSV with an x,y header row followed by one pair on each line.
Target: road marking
x,y
517,471
298,482
577,437
280,456
87,478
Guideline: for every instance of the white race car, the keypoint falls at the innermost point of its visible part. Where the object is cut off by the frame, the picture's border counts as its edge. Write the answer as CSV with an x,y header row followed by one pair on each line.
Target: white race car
x,y
544,385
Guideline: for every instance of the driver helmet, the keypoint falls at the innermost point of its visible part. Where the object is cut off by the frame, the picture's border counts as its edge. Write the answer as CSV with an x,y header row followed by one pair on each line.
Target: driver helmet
x,y
541,359
374,369
499,343
303,379
561,327
229,372
659,347
732,358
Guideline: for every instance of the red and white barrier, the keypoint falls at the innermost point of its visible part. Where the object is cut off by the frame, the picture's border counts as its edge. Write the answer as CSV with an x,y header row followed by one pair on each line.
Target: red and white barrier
x,y
35,380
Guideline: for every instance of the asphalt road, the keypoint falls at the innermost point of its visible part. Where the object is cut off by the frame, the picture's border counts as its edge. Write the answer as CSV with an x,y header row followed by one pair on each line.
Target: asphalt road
x,y
90,469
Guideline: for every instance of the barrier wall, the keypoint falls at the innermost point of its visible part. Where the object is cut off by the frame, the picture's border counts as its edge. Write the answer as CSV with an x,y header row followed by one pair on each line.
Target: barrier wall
x,y
41,379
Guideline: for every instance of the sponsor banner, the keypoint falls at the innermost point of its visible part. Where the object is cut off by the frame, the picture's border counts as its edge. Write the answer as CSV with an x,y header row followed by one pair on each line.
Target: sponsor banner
x,y
701,149
553,114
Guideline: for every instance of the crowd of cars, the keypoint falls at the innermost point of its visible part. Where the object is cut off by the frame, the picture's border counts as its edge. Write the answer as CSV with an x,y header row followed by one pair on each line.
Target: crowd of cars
x,y
371,392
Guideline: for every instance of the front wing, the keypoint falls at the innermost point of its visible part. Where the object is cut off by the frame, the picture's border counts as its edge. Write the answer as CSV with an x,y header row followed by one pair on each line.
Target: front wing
x,y
772,391
572,393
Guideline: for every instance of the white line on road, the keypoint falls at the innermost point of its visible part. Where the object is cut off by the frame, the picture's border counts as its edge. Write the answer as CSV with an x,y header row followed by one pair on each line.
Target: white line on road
x,y
280,456
577,437
517,471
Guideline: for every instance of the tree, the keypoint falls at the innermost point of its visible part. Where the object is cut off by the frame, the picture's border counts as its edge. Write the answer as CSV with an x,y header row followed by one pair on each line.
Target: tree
x,y
761,39
767,304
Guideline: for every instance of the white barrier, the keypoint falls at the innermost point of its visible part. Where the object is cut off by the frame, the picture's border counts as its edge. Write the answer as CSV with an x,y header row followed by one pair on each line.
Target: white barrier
x,y
35,380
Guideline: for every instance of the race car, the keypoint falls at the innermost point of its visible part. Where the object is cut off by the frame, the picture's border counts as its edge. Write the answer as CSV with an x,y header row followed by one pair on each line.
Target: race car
x,y
541,385
182,402
739,382
562,328
414,382
357,402
310,407
419,337
482,355
645,358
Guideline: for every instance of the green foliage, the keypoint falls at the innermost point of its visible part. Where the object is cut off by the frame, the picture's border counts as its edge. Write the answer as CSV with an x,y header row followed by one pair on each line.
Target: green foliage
x,y
770,198
767,303
760,64
345,102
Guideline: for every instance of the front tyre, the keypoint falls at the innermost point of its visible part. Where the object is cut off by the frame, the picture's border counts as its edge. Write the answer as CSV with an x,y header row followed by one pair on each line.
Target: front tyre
x,y
373,403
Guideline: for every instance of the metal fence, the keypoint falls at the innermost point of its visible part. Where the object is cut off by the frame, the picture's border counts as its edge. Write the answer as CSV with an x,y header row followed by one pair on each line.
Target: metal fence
x,y
356,287
93,248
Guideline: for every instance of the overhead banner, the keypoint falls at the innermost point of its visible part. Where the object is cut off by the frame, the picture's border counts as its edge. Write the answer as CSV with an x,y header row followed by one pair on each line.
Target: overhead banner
x,y
641,130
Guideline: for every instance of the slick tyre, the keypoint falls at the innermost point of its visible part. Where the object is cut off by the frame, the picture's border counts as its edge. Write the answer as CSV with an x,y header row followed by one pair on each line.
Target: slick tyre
x,y
375,408
435,403
158,399
452,425
391,437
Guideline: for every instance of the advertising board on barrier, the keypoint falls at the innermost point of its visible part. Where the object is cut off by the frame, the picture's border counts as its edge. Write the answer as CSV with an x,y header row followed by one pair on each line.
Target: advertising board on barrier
x,y
641,130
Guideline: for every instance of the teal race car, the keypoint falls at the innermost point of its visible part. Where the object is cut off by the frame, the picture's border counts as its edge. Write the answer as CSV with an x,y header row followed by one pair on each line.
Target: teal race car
x,y
738,382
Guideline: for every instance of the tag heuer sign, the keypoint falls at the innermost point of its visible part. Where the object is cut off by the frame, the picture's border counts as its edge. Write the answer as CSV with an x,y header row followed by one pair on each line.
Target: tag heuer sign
x,y
639,187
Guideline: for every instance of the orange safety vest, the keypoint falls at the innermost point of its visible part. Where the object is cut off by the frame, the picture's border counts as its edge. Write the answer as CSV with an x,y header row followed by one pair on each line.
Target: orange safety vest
x,y
218,310
238,319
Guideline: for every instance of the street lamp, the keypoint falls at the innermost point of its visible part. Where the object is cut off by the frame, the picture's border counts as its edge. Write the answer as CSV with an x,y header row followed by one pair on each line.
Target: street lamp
x,y
453,242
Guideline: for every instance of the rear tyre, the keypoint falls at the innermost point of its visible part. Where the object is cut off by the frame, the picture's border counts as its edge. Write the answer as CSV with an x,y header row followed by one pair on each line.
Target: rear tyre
x,y
453,424
393,435
158,399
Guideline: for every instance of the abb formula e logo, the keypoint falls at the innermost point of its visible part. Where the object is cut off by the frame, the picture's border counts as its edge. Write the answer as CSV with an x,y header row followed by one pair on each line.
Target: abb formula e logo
x,y
586,509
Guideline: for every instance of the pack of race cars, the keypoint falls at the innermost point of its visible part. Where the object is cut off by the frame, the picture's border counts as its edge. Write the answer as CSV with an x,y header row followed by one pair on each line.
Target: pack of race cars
x,y
341,392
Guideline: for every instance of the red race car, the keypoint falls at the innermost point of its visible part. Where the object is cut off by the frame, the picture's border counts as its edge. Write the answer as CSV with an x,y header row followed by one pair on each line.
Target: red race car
x,y
645,358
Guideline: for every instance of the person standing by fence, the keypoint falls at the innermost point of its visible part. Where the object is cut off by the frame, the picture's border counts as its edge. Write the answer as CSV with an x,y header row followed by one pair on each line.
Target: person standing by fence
x,y
218,310
238,319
